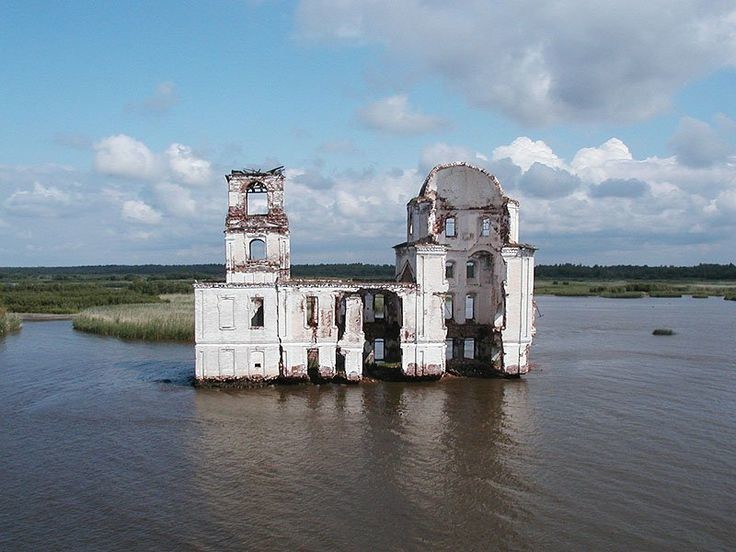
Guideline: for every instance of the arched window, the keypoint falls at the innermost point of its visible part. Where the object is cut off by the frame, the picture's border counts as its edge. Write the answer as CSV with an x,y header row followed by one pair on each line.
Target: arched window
x,y
256,200
257,250
449,270
450,227
470,270
485,227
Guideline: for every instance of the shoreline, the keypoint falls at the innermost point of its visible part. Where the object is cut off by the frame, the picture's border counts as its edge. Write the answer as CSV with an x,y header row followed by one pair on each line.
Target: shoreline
x,y
42,316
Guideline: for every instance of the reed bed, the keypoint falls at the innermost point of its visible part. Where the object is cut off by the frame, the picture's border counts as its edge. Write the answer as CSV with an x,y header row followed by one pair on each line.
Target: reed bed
x,y
9,322
172,320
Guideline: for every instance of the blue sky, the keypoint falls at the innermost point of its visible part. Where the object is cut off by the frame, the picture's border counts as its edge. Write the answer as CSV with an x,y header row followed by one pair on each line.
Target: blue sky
x,y
613,124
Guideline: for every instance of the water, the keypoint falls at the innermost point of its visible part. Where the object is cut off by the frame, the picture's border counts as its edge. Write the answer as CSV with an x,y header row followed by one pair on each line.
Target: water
x,y
618,440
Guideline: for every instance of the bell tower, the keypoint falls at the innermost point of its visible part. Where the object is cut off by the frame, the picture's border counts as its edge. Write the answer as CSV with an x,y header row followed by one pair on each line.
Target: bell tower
x,y
257,247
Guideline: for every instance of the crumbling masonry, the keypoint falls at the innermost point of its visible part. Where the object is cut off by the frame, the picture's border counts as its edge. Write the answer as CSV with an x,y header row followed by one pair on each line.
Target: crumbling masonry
x,y
462,301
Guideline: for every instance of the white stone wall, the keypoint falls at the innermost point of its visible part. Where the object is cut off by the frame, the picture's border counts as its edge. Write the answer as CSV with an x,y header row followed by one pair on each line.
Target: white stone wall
x,y
519,328
227,345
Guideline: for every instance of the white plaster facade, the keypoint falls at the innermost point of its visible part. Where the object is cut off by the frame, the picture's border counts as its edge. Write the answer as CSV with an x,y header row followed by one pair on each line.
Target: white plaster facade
x,y
462,300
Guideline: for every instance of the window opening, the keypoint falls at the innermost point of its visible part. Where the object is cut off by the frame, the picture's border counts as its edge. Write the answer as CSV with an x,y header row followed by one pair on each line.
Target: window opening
x,y
449,269
448,349
379,305
312,311
313,359
470,270
485,227
469,307
256,200
256,320
378,349
257,250
469,348
450,227
448,307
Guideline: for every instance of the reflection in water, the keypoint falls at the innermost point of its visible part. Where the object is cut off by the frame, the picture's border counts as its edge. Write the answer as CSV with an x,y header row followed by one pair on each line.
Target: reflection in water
x,y
619,440
408,464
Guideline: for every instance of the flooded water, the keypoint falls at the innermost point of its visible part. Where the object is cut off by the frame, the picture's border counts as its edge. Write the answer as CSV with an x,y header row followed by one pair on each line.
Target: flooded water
x,y
618,440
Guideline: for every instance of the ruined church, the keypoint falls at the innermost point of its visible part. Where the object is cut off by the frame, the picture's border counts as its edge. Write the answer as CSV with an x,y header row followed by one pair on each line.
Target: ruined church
x,y
461,301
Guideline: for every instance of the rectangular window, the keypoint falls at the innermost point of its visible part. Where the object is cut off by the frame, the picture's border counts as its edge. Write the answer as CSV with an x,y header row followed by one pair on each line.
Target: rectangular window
x,y
485,227
256,309
469,307
313,359
469,348
226,311
379,306
378,349
448,351
449,269
450,227
470,270
448,307
312,309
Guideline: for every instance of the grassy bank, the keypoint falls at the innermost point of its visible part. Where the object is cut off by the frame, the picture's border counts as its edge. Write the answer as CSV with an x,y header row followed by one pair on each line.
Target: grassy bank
x,y
8,322
171,320
634,289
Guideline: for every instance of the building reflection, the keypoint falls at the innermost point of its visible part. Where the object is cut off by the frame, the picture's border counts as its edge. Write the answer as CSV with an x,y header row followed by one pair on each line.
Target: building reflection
x,y
384,464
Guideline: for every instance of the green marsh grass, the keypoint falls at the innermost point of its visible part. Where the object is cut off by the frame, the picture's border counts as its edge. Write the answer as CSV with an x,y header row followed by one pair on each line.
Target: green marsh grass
x,y
8,322
172,320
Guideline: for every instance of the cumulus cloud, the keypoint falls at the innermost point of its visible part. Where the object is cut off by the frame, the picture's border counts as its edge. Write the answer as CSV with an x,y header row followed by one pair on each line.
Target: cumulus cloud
x,y
697,144
619,187
123,156
546,62
175,199
39,200
188,167
395,115
546,182
140,212
524,152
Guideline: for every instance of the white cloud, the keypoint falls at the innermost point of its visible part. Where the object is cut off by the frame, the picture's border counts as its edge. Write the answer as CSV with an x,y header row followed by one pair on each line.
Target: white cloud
x,y
593,163
524,152
187,167
123,156
175,199
542,62
140,212
39,200
395,115
697,144
544,181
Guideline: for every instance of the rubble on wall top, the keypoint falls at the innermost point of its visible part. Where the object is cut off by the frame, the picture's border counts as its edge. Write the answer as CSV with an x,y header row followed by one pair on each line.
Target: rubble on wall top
x,y
276,171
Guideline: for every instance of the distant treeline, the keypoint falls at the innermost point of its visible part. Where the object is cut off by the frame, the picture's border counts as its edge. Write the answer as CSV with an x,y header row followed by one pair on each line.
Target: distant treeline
x,y
117,272
359,271
634,272
189,272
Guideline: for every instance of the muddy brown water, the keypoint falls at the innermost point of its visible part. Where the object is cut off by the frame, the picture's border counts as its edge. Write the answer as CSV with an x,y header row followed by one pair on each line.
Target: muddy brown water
x,y
619,440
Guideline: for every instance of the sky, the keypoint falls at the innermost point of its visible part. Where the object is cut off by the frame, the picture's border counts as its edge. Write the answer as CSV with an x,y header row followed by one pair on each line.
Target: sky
x,y
612,123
